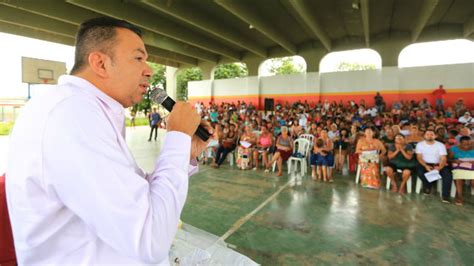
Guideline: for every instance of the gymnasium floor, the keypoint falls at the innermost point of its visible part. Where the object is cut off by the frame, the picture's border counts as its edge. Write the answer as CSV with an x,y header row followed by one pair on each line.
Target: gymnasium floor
x,y
280,221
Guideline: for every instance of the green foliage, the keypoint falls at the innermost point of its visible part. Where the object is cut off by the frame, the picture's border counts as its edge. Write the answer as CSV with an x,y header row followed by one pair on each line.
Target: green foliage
x,y
284,66
229,71
350,66
139,121
158,79
183,77
5,128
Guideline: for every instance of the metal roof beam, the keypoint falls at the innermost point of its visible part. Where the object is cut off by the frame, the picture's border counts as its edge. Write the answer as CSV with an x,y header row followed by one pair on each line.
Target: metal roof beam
x,y
302,8
364,11
53,21
23,18
250,16
154,23
162,61
35,33
157,52
186,13
427,9
468,27
68,31
53,9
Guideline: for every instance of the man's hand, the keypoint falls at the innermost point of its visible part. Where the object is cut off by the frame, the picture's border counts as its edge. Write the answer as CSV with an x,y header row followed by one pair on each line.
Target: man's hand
x,y
197,144
183,118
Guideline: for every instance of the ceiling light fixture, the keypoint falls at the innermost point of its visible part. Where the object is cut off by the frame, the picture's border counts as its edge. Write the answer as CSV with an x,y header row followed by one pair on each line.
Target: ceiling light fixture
x,y
355,4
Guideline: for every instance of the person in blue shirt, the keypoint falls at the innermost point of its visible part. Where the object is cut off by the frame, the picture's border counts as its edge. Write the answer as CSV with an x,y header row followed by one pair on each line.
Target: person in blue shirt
x,y
155,119
462,159
214,116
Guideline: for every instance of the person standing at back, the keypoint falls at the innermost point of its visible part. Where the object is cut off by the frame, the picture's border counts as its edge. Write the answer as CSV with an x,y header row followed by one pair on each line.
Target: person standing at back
x,y
155,119
439,97
75,194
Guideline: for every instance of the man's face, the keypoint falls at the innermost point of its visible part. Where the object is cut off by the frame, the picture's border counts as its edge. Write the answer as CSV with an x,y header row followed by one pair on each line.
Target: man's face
x,y
128,72
465,145
430,136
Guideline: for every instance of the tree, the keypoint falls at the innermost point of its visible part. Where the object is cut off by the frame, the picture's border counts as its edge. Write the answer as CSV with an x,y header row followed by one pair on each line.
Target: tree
x,y
351,66
182,79
158,79
229,71
284,66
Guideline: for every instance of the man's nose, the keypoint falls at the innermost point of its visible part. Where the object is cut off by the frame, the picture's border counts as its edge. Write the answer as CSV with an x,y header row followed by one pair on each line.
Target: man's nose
x,y
148,71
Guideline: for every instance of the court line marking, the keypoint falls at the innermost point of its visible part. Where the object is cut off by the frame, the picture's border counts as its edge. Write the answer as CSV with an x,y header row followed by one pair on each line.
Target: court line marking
x,y
247,217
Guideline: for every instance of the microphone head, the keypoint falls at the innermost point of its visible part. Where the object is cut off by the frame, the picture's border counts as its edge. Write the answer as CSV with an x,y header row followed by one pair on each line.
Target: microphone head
x,y
158,95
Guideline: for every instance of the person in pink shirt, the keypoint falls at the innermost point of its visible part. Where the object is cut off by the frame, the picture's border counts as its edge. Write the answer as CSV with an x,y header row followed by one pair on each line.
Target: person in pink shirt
x,y
439,97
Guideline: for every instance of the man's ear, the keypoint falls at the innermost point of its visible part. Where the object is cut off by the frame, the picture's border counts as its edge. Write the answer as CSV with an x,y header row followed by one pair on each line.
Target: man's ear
x,y
98,62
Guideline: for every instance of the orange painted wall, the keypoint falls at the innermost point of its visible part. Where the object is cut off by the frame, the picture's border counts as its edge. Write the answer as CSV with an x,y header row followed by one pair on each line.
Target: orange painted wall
x,y
390,96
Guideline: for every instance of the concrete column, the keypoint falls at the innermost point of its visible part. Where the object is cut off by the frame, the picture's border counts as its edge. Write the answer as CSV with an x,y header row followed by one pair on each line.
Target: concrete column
x,y
207,69
171,73
252,65
390,48
313,58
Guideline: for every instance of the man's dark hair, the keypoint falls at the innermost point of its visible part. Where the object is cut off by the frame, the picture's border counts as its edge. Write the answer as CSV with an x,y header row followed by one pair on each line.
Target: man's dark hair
x,y
98,34
464,138
430,129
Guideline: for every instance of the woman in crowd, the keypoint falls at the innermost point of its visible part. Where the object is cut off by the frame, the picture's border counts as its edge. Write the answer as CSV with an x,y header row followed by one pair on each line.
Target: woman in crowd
x,y
284,149
341,145
370,150
296,129
322,159
414,136
227,144
246,146
313,130
213,144
400,156
264,144
462,158
333,133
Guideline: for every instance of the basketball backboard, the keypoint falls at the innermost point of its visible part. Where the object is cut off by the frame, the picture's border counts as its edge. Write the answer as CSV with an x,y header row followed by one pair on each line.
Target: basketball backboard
x,y
39,71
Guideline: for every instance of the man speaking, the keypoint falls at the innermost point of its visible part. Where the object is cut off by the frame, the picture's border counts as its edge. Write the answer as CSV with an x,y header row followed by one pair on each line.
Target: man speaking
x,y
75,193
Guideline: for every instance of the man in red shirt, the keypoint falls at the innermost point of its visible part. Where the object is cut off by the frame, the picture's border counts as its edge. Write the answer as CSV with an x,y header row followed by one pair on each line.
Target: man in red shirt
x,y
438,93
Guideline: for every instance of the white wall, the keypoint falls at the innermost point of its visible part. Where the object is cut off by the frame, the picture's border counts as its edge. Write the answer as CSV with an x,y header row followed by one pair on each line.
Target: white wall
x,y
369,80
429,77
237,86
457,77
200,88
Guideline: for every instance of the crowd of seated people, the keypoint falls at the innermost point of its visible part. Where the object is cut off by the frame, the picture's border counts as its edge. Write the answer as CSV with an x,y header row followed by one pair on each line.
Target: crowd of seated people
x,y
407,139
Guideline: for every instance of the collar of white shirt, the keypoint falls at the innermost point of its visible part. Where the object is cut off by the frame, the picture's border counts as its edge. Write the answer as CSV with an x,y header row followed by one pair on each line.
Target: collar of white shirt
x,y
115,107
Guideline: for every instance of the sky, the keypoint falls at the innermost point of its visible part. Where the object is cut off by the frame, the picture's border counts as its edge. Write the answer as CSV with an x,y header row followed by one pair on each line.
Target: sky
x,y
13,47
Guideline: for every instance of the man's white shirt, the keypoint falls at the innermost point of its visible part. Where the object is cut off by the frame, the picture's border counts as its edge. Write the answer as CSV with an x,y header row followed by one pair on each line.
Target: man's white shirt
x,y
74,191
431,153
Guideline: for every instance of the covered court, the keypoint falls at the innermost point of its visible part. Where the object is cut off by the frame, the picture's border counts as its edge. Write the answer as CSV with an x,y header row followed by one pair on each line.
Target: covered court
x,y
293,220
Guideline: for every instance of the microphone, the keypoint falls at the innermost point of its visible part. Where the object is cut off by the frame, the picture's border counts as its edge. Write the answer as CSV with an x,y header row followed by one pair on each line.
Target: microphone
x,y
160,96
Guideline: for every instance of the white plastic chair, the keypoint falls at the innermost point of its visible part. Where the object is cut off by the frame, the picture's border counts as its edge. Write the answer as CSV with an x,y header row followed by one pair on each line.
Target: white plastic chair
x,y
310,138
439,186
301,146
409,187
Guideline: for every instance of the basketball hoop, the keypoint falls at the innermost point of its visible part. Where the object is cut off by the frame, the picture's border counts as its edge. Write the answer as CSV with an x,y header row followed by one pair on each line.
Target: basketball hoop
x,y
45,81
